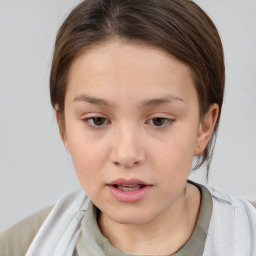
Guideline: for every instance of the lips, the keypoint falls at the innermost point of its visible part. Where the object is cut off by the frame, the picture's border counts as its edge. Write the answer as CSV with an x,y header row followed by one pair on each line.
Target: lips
x,y
131,190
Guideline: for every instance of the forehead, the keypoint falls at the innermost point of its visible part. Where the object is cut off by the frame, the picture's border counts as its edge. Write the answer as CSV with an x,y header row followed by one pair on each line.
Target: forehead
x,y
125,55
129,69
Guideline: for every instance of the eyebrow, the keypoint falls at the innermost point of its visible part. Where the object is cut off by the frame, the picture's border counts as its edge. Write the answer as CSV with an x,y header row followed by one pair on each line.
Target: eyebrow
x,y
165,99
91,100
147,103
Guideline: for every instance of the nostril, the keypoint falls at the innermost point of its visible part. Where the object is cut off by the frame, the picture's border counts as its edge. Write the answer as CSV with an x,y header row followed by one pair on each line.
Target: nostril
x,y
116,163
127,165
131,164
135,163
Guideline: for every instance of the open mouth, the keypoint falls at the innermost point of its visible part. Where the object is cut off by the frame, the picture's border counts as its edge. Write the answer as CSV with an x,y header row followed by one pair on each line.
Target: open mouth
x,y
129,190
126,187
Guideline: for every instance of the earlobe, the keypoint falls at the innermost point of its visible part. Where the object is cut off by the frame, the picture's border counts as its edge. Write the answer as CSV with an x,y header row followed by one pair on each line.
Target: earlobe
x,y
206,128
61,129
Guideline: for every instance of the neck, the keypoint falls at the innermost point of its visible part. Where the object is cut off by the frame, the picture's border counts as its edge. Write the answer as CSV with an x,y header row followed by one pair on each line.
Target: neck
x,y
163,235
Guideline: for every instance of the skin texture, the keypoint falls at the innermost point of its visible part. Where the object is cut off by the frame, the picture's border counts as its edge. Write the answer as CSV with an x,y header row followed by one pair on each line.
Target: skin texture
x,y
127,86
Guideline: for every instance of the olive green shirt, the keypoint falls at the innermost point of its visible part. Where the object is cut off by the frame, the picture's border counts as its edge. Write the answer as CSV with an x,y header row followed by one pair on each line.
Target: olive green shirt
x,y
92,242
16,240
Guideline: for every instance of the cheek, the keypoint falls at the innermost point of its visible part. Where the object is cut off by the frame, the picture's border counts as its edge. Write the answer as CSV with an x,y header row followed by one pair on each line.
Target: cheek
x,y
86,157
88,165
174,156
178,147
87,153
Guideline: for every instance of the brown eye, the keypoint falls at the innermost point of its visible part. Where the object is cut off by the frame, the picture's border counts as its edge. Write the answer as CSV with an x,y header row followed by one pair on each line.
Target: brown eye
x,y
159,121
96,121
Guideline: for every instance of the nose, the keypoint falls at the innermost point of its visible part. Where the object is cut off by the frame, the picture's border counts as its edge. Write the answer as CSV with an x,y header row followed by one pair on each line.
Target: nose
x,y
127,150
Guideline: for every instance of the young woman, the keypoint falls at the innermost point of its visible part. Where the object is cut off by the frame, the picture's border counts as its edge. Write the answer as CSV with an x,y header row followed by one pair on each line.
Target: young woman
x,y
137,87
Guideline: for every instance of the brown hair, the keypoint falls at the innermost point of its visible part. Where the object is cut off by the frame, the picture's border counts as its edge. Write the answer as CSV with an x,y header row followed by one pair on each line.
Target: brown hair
x,y
180,27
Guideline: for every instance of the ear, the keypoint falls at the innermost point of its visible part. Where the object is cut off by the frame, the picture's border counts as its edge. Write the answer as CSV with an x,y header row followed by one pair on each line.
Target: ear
x,y
62,132
205,129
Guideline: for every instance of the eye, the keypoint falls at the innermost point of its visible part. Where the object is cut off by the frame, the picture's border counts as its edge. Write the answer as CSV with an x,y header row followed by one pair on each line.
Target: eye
x,y
96,121
160,121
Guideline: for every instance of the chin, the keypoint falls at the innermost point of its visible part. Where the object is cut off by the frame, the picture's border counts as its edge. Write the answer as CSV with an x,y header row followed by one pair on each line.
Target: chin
x,y
128,217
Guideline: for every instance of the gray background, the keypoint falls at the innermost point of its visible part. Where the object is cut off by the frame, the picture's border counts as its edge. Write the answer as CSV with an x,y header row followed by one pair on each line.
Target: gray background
x,y
35,170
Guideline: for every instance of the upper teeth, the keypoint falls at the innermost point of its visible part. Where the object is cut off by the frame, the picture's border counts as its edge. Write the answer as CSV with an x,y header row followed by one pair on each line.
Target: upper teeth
x,y
128,187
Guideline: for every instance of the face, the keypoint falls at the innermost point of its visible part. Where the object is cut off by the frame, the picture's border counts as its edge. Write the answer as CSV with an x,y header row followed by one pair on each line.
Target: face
x,y
132,129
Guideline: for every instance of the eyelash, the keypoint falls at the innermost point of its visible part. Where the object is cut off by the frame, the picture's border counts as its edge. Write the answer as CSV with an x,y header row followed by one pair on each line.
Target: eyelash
x,y
90,121
167,121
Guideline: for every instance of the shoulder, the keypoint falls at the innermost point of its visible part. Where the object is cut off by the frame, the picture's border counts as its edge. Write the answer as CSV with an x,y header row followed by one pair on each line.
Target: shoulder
x,y
233,225
253,203
17,239
223,199
59,231
233,207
